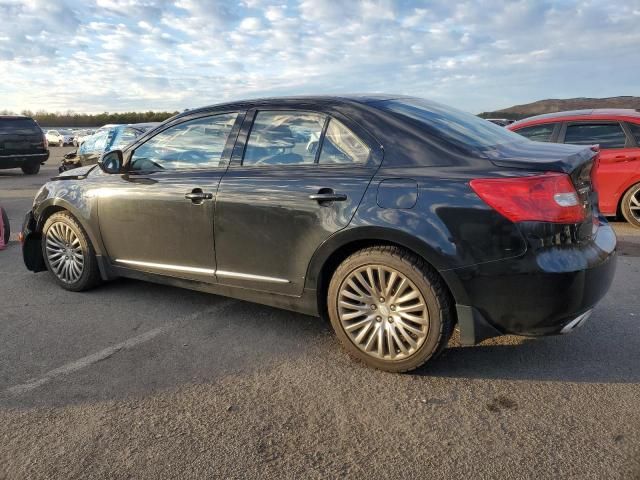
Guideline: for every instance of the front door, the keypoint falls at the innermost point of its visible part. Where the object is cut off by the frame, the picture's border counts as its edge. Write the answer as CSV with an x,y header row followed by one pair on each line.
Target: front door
x,y
158,217
299,179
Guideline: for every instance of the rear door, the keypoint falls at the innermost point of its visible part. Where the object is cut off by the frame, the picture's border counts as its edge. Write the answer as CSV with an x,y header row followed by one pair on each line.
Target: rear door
x,y
296,177
618,156
159,216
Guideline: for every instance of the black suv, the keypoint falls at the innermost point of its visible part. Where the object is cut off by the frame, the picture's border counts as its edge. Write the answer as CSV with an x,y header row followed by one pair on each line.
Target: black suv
x,y
22,144
396,217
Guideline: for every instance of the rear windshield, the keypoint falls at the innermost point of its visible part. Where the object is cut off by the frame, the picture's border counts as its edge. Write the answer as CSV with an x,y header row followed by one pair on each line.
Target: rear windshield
x,y
452,125
18,125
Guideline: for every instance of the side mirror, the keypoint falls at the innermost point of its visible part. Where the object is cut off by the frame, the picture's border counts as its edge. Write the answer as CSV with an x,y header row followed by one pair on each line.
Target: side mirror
x,y
111,162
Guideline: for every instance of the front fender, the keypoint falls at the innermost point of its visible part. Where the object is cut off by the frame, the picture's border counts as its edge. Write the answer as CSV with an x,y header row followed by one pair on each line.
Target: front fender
x,y
69,196
31,245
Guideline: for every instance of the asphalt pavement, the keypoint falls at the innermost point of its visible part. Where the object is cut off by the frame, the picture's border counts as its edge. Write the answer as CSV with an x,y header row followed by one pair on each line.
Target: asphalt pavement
x,y
136,380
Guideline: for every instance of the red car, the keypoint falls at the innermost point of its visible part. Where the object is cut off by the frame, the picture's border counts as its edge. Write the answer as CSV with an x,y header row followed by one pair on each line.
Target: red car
x,y
617,131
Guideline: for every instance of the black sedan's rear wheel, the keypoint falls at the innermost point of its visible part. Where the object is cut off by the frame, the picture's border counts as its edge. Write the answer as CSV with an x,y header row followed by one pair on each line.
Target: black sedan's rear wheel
x,y
68,253
389,308
631,205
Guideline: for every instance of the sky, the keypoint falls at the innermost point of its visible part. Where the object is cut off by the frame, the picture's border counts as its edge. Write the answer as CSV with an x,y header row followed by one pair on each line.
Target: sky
x,y
131,55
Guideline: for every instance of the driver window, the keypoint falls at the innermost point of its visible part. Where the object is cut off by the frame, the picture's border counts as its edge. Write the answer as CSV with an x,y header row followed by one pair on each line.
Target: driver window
x,y
198,143
284,138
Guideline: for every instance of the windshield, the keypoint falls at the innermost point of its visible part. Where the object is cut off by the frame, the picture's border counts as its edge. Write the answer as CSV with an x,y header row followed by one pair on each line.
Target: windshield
x,y
450,124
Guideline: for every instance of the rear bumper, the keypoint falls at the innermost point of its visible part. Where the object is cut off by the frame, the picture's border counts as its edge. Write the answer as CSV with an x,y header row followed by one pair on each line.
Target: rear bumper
x,y
19,160
542,292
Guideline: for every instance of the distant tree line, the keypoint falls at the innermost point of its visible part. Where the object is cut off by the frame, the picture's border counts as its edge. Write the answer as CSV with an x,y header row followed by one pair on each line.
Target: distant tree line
x,y
71,119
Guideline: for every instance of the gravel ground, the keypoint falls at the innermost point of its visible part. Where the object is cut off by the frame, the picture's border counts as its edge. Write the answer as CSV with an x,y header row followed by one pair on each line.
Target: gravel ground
x,y
134,380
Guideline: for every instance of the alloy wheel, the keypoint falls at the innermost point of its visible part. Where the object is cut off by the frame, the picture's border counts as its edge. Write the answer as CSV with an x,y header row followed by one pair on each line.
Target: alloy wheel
x,y
383,312
64,252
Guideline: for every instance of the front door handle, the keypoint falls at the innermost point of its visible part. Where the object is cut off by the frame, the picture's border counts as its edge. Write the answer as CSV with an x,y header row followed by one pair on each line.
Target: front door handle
x,y
326,196
198,196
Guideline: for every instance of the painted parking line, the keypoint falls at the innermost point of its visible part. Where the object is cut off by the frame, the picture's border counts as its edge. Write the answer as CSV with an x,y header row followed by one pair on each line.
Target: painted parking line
x,y
107,352
86,361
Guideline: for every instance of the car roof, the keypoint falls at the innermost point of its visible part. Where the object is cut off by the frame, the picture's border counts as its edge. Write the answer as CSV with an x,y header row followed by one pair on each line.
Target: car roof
x,y
361,98
587,113
14,117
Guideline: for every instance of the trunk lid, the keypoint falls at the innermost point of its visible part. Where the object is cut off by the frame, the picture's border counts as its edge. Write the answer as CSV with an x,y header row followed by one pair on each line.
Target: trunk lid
x,y
546,157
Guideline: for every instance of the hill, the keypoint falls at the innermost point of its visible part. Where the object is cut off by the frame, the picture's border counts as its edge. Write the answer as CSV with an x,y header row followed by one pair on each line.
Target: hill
x,y
559,105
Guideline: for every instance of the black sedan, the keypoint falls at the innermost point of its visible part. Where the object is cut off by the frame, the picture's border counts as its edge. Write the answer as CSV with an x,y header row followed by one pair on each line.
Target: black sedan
x,y
396,217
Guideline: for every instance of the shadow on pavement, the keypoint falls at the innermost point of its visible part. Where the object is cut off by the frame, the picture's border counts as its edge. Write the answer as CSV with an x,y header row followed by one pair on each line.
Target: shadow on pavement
x,y
605,350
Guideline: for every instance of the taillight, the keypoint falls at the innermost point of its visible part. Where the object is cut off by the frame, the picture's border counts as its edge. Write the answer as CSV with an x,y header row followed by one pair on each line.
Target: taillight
x,y
550,197
46,142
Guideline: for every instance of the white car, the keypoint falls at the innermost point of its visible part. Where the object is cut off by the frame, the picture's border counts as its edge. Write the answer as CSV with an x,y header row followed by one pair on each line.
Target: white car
x,y
54,137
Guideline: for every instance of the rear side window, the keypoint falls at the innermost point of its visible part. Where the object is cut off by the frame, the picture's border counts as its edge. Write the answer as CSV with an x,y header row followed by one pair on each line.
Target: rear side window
x,y
449,124
607,135
18,126
635,131
284,138
340,145
538,133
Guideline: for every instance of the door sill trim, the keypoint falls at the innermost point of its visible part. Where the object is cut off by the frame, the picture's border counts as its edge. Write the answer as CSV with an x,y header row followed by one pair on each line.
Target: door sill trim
x,y
165,266
248,276
203,271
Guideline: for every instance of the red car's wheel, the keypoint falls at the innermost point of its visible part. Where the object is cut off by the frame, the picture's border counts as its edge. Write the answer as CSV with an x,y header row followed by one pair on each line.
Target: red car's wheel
x,y
631,205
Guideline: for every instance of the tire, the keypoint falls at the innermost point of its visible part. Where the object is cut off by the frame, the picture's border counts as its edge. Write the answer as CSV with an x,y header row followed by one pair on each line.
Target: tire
x,y
31,169
429,313
63,233
6,226
630,205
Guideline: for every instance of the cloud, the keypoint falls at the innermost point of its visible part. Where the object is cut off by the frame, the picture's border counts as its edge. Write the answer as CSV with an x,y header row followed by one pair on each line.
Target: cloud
x,y
116,55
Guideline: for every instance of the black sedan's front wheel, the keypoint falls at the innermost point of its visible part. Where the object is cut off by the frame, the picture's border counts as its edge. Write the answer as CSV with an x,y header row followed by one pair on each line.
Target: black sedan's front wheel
x,y
68,253
389,308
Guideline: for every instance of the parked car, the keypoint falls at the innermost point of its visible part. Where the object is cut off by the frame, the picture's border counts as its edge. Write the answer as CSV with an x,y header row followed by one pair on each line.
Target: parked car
x,y
503,122
22,144
67,137
54,138
106,138
617,132
396,217
80,136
